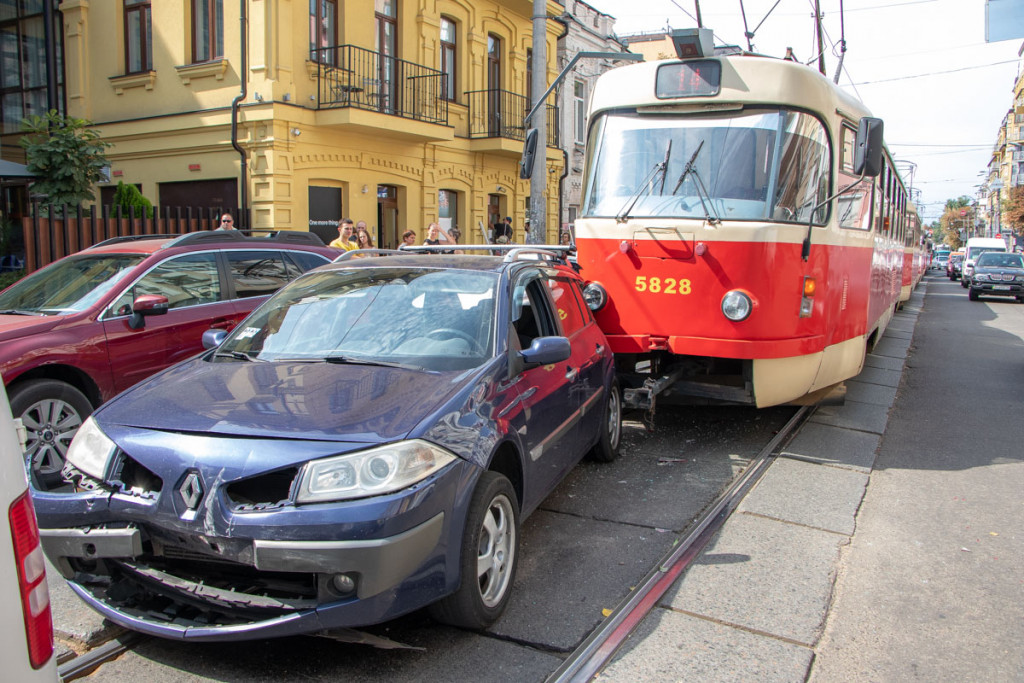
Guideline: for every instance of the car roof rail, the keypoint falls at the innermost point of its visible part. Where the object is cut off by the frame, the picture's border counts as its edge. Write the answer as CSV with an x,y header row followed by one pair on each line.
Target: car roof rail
x,y
549,252
513,252
356,253
128,238
204,236
293,237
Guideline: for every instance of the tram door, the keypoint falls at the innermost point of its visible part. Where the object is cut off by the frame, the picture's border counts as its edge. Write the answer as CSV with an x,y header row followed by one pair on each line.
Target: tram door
x,y
387,217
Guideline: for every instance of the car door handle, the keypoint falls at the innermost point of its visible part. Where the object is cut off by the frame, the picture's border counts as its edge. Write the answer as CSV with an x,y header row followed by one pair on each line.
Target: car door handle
x,y
222,324
570,373
598,354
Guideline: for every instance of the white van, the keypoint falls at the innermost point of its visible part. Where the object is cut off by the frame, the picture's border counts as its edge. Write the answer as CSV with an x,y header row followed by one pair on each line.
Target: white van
x,y
26,648
975,247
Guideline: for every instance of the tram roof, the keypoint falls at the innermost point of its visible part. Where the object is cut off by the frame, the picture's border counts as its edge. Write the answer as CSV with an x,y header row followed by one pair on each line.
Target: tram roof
x,y
746,79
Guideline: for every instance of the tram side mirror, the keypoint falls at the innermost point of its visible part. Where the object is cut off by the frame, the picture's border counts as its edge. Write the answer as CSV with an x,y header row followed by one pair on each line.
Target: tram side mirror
x,y
867,157
529,152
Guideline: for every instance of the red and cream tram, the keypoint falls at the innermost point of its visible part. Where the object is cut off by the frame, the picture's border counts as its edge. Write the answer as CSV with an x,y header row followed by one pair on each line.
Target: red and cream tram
x,y
726,238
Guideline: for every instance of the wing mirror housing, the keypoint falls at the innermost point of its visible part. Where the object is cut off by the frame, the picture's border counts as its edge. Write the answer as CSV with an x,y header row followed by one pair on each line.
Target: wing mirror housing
x,y
529,154
546,351
867,157
146,305
212,338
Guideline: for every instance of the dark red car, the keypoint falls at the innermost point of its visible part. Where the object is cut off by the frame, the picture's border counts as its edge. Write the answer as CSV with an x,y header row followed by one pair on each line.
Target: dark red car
x,y
81,330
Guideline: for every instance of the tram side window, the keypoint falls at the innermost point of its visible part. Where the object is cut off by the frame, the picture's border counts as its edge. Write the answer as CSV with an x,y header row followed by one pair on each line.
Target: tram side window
x,y
854,206
803,171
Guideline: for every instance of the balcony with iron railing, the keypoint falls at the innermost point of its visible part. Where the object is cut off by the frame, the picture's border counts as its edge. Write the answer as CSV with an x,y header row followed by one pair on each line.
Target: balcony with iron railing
x,y
354,78
497,116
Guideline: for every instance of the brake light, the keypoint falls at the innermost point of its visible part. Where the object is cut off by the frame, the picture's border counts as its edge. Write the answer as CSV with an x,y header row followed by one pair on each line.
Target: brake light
x,y
35,596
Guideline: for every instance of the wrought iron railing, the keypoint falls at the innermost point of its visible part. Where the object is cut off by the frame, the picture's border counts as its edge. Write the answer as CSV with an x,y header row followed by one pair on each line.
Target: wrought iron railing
x,y
500,114
350,76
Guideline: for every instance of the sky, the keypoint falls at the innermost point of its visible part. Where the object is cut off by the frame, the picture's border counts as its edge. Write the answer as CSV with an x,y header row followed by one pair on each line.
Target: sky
x,y
922,66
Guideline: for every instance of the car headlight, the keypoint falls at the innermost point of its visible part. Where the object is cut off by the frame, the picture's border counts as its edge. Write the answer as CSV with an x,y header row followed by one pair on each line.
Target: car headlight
x,y
981,276
370,473
595,296
91,451
736,305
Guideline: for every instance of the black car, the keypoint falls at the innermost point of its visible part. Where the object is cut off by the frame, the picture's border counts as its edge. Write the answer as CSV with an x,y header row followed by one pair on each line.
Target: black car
x,y
998,274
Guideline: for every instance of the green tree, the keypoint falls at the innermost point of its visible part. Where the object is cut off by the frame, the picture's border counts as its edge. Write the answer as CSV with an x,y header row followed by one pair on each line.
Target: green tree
x,y
1013,209
128,196
66,155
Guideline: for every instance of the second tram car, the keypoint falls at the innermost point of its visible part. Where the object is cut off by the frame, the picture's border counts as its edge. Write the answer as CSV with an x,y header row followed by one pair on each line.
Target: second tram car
x,y
707,181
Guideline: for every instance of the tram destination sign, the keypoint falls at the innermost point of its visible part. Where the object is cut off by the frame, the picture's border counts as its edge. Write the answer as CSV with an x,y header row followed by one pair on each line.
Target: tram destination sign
x,y
692,78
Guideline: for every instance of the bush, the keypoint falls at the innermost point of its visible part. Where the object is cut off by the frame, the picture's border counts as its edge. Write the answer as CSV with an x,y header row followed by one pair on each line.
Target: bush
x,y
10,277
128,196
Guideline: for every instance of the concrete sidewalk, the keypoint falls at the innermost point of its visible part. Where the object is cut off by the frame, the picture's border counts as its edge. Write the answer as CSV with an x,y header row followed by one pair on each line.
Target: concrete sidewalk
x,y
811,579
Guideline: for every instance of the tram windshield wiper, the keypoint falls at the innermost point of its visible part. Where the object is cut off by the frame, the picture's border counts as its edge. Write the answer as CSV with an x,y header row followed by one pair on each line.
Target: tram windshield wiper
x,y
698,183
660,167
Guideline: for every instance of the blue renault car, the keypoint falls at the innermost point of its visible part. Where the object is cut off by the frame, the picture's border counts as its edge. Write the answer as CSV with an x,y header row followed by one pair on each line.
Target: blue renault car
x,y
364,444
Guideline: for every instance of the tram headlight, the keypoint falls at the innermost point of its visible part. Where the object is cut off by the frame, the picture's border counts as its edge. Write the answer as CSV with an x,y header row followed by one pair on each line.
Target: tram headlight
x,y
736,305
595,296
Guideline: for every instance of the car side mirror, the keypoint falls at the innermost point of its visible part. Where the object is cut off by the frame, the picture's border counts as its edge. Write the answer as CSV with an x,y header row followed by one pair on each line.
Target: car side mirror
x,y
867,155
546,350
212,338
147,304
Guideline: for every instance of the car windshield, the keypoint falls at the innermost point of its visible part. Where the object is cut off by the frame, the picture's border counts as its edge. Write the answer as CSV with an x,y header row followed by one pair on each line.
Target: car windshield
x,y
69,285
997,260
743,165
418,317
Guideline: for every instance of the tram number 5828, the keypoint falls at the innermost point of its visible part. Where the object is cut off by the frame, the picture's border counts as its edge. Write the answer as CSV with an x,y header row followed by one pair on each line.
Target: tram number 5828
x,y
657,285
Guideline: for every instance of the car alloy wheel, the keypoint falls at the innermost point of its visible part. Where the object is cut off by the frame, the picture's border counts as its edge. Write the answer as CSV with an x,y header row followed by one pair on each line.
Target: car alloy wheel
x,y
607,447
490,553
52,411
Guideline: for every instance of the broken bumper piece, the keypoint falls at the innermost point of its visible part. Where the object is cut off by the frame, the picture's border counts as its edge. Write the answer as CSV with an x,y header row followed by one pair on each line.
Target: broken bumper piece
x,y
288,587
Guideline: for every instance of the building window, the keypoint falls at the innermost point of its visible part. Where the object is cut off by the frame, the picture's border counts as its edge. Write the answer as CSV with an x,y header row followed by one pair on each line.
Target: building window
x,y
323,31
579,93
529,79
207,30
23,63
448,82
448,212
138,36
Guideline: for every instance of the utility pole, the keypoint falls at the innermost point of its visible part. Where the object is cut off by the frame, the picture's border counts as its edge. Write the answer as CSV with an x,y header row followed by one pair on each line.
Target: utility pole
x,y
538,86
821,46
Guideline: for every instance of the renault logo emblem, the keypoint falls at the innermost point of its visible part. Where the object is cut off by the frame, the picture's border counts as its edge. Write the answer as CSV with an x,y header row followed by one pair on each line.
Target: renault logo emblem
x,y
191,490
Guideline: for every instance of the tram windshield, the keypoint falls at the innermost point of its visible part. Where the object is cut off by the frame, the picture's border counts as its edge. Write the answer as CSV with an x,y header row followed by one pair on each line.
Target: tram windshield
x,y
763,164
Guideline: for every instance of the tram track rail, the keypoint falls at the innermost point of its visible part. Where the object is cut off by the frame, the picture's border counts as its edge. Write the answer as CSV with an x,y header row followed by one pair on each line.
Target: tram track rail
x,y
598,649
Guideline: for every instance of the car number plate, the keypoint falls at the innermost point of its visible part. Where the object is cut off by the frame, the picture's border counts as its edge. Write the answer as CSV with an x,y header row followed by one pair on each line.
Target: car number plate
x,y
1001,287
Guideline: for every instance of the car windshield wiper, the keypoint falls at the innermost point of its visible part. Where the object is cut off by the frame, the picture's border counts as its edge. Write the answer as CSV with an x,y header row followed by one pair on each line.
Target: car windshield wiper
x,y
660,167
16,311
236,355
351,360
698,183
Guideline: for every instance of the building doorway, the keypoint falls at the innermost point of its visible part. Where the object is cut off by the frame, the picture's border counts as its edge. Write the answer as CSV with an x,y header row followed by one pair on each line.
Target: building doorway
x,y
387,217
324,212
493,213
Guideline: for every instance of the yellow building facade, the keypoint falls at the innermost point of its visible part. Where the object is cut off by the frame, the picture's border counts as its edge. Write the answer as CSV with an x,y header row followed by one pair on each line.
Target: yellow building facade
x,y
395,112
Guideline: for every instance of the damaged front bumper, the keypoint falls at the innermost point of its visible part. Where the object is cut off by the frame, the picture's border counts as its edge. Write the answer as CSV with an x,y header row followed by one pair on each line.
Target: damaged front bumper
x,y
259,574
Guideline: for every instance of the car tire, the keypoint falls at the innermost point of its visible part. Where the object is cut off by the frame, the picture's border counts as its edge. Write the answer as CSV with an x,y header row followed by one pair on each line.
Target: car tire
x,y
972,295
1020,299
964,283
488,559
607,447
52,411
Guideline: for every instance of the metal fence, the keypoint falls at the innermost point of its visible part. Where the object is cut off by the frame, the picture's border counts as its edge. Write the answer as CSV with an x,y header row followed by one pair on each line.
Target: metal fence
x,y
53,231
350,76
500,114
